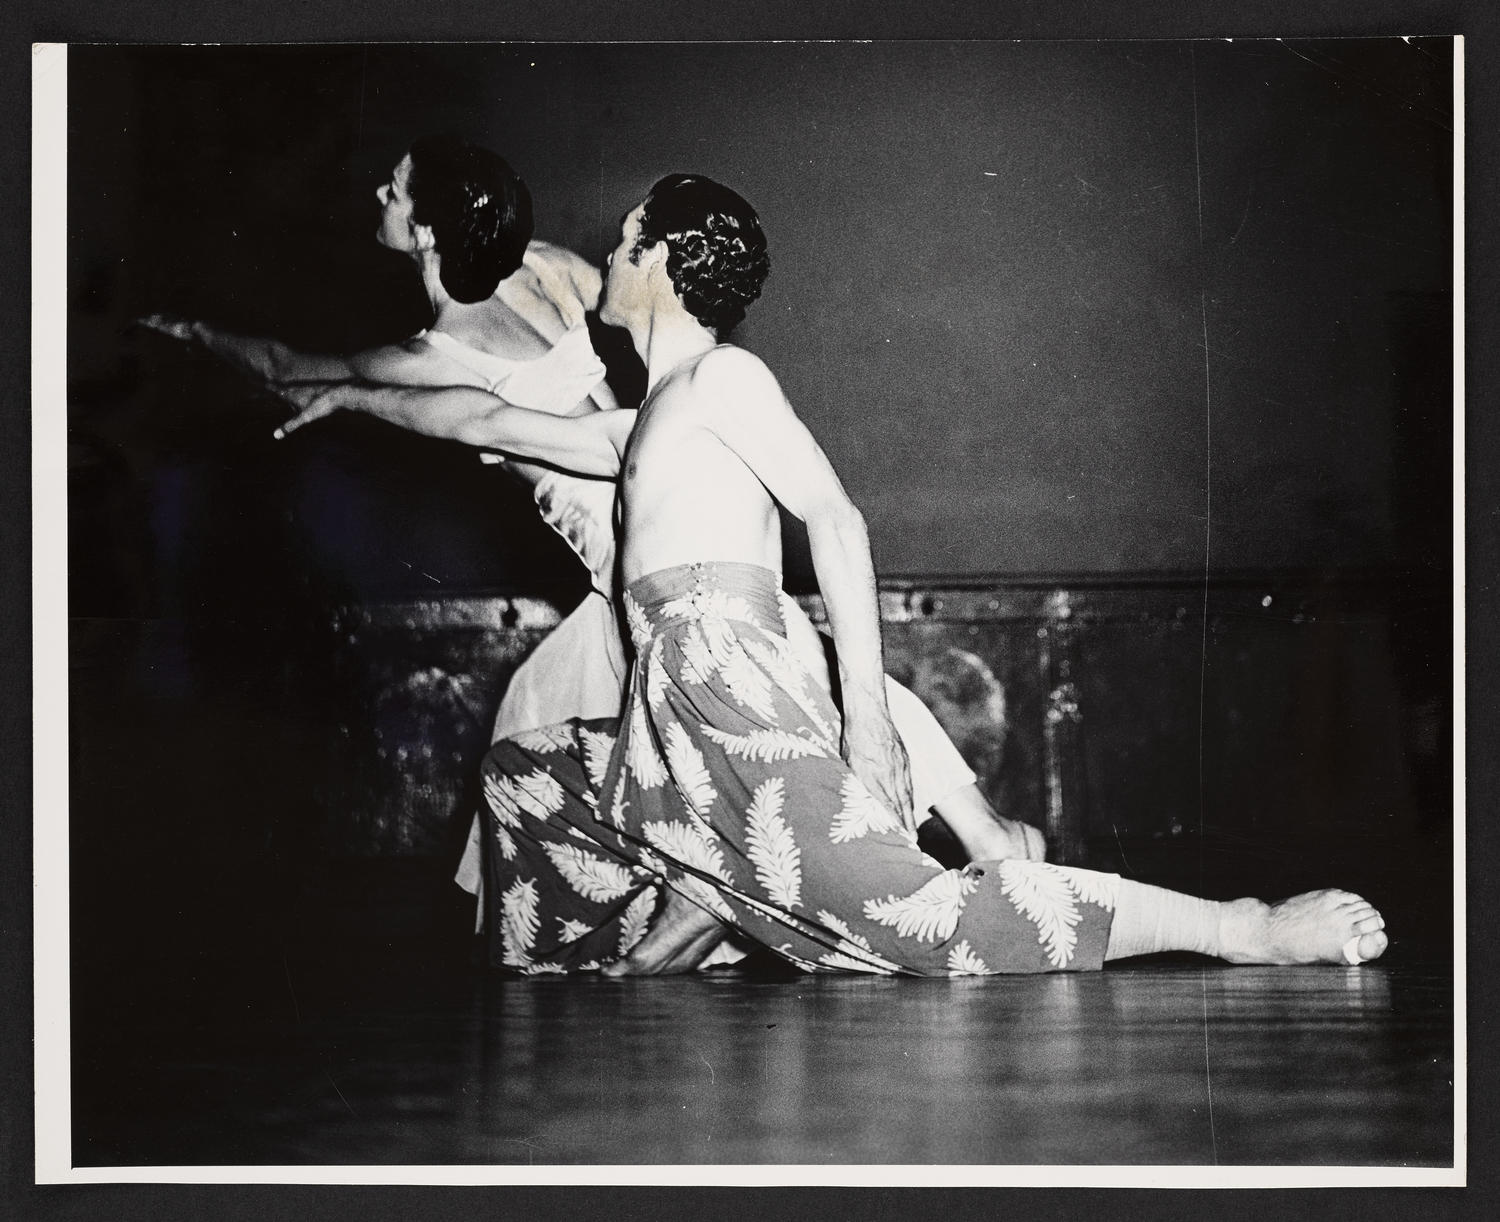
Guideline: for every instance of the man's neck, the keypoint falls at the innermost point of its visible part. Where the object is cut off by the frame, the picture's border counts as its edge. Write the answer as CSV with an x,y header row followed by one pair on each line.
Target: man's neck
x,y
667,340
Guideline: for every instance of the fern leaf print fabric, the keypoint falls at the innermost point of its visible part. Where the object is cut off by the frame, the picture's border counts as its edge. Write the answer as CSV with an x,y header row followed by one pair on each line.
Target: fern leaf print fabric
x,y
723,782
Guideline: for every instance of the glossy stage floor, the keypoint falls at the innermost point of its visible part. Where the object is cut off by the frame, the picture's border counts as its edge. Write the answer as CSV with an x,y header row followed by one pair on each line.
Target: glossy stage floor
x,y
359,1043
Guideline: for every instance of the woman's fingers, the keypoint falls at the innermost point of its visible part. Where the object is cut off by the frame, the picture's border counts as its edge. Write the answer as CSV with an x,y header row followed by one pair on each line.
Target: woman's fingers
x,y
169,324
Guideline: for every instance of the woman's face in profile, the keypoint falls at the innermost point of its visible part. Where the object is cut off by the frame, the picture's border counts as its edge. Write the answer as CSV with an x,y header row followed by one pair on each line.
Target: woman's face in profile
x,y
395,229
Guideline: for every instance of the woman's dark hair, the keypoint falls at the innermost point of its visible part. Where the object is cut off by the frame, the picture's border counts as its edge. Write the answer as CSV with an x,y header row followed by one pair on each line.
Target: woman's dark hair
x,y
479,211
716,250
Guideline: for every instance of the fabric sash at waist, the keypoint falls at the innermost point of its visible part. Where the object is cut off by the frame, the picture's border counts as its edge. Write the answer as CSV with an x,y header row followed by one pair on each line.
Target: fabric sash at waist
x,y
686,592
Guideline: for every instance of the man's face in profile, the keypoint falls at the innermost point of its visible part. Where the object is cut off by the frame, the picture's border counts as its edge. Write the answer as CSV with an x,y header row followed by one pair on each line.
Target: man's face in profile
x,y
625,282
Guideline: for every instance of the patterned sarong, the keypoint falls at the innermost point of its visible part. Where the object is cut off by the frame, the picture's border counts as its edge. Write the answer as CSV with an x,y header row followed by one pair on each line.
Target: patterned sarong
x,y
724,782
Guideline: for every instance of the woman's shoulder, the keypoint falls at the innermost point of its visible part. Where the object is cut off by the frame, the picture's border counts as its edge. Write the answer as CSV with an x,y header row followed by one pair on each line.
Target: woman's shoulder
x,y
563,272
558,257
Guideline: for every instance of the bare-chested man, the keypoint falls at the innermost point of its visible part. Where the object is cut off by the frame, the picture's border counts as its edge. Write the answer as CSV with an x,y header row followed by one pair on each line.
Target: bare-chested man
x,y
732,793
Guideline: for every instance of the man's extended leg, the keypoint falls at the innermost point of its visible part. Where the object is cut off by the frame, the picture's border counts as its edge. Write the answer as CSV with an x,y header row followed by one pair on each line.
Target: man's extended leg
x,y
1316,927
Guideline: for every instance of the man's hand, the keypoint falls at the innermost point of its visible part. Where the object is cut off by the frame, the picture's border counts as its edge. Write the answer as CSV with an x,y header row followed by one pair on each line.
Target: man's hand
x,y
313,401
873,749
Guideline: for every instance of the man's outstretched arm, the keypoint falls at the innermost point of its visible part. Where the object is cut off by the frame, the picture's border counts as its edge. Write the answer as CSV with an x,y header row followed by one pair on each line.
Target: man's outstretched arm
x,y
750,414
590,444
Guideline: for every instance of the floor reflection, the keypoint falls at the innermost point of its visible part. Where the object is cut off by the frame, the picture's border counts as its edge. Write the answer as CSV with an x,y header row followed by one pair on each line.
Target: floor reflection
x,y
1179,1063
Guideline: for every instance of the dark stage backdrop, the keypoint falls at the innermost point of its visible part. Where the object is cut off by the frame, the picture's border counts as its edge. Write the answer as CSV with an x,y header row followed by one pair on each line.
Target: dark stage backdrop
x,y
1075,308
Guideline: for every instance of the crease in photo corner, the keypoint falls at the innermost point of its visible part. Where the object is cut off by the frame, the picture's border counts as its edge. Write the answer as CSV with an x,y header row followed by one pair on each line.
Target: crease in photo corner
x,y
53,1145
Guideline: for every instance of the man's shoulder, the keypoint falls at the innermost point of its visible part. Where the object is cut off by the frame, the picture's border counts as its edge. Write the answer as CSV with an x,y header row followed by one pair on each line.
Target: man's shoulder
x,y
725,384
731,369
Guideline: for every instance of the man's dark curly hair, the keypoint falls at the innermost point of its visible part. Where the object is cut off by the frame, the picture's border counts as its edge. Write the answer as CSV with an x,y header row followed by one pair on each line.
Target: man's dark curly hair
x,y
479,211
716,251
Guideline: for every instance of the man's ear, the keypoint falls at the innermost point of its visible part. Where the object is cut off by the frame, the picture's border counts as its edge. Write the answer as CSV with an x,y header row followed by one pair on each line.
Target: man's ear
x,y
422,235
654,254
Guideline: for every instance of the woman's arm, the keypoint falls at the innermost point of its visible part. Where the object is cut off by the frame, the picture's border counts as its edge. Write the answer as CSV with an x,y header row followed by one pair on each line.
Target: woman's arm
x,y
590,444
414,363
267,359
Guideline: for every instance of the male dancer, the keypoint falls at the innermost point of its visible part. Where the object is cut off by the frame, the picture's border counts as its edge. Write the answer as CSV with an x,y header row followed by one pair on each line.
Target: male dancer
x,y
731,787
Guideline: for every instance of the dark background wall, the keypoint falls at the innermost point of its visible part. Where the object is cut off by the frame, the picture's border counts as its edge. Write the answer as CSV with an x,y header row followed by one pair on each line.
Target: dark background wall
x,y
1064,307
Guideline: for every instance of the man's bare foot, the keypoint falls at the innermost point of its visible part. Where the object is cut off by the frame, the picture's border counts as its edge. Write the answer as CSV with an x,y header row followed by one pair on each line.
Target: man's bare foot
x,y
1310,928
679,939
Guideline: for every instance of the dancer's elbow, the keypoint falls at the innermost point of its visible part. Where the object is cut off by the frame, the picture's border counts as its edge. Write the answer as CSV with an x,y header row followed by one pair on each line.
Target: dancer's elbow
x,y
839,518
